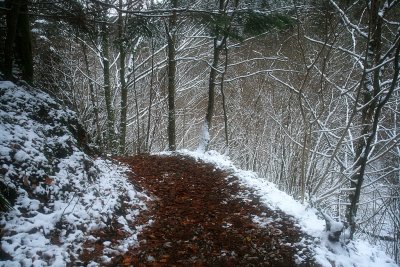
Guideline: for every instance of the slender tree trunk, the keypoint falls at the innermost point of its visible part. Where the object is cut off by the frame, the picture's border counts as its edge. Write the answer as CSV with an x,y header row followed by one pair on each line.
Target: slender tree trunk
x,y
19,37
12,21
23,43
363,146
303,162
171,37
107,89
147,146
374,100
224,100
124,89
370,120
138,142
219,43
205,138
92,97
211,83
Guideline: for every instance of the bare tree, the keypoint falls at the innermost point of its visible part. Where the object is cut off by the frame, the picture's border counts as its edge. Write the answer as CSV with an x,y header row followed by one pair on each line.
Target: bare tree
x,y
221,31
376,87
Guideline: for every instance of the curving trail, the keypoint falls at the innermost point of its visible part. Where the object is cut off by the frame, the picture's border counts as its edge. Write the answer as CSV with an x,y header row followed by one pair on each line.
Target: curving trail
x,y
203,217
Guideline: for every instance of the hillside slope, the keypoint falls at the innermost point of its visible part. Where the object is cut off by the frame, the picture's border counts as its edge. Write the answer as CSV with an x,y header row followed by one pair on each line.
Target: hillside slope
x,y
59,194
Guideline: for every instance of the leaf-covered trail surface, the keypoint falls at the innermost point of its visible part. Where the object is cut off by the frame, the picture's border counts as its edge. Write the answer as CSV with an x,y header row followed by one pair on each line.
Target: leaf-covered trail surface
x,y
201,216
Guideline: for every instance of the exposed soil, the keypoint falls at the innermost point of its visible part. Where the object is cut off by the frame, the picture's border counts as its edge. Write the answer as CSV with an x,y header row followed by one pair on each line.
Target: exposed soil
x,y
202,216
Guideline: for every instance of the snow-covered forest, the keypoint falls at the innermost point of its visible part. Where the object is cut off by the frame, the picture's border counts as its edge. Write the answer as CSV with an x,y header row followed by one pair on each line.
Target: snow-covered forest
x,y
304,93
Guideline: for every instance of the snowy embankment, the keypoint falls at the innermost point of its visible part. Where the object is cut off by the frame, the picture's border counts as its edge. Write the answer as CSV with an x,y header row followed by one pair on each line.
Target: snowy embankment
x,y
59,194
357,253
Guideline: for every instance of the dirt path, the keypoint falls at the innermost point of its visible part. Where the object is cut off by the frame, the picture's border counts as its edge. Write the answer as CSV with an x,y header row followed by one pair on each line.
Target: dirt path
x,y
203,217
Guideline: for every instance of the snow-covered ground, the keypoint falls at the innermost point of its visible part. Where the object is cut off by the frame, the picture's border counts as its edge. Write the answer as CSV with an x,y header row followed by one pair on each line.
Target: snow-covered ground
x,y
357,253
62,194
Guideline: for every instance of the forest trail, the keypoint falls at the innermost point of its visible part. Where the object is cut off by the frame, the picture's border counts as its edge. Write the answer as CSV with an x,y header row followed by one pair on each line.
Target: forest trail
x,y
201,216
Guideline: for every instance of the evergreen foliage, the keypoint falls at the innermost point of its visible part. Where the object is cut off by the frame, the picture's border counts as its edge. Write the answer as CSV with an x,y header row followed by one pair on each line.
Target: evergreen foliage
x,y
255,22
245,23
139,26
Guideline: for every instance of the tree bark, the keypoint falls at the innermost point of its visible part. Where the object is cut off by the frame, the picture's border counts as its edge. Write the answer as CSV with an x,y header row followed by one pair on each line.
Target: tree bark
x,y
12,20
138,142
211,83
224,100
23,43
171,37
147,142
124,89
220,39
19,37
93,97
374,100
205,139
107,89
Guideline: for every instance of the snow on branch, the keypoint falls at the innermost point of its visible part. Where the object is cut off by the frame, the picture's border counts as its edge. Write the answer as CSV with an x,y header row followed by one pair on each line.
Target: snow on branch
x,y
347,21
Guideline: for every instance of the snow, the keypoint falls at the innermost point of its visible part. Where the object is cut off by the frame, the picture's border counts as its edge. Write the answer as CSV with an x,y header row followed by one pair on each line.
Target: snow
x,y
357,253
40,159
204,138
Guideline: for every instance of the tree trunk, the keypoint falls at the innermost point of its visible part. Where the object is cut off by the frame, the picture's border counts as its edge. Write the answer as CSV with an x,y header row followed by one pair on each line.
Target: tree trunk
x,y
220,40
19,37
147,142
124,89
93,98
371,112
23,43
138,142
12,21
224,100
205,138
171,37
370,119
107,89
